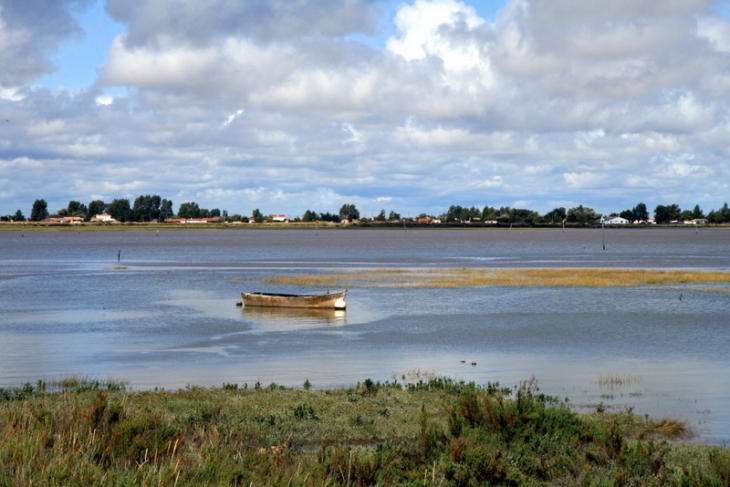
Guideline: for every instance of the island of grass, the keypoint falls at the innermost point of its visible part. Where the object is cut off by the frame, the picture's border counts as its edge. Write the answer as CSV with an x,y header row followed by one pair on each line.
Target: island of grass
x,y
470,277
433,432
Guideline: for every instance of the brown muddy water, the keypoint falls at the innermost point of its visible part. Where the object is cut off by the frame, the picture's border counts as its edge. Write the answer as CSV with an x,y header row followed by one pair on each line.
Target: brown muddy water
x,y
162,314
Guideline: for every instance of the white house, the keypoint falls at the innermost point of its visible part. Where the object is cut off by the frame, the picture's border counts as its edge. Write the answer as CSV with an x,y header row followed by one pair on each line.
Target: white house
x,y
616,220
103,217
279,218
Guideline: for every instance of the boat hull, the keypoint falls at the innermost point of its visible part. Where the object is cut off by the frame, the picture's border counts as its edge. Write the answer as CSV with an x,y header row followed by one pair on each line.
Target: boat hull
x,y
318,301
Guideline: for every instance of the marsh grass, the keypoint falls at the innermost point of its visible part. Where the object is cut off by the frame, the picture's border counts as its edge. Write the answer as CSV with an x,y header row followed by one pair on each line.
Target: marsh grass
x,y
458,434
452,278
67,383
617,380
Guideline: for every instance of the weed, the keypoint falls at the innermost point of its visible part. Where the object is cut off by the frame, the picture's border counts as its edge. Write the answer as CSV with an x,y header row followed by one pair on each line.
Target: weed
x,y
305,412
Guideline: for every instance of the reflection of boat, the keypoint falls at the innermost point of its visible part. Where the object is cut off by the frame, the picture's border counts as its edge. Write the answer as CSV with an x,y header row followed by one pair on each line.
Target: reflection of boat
x,y
275,319
327,300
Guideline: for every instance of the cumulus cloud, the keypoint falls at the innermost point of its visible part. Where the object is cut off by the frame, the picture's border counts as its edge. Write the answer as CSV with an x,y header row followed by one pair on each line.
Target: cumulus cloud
x,y
199,23
272,102
30,32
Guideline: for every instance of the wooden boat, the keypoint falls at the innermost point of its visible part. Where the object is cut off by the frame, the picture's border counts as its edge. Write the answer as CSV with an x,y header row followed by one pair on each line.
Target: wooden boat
x,y
334,300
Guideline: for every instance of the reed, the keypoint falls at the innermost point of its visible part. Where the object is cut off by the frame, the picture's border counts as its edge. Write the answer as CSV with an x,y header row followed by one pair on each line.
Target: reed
x,y
666,428
617,380
453,278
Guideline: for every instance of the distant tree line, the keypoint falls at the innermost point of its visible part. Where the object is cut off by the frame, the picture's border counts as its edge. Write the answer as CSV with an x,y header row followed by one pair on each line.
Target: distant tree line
x,y
148,208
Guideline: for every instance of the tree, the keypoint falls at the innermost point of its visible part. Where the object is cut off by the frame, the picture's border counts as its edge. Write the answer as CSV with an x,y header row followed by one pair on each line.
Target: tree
x,y
453,214
39,211
19,217
557,215
627,215
489,213
381,216
329,217
349,212
120,210
76,208
666,214
720,216
640,212
166,209
257,216
189,210
579,214
215,213
96,207
393,216
147,208
685,215
310,216
725,213
697,212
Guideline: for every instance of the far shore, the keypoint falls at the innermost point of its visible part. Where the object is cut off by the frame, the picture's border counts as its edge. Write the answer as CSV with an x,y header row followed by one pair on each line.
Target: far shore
x,y
137,226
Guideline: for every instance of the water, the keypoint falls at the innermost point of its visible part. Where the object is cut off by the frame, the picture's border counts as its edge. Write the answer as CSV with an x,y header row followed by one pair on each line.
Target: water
x,y
165,314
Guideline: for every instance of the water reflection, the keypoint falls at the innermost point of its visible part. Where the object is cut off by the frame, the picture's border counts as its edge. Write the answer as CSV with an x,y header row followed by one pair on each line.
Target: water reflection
x,y
289,319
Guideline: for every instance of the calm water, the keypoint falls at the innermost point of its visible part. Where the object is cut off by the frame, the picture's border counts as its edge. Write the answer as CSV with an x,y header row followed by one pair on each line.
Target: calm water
x,y
168,318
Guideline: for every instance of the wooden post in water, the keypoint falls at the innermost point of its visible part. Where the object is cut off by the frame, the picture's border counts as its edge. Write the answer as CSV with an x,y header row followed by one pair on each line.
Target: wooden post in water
x,y
603,232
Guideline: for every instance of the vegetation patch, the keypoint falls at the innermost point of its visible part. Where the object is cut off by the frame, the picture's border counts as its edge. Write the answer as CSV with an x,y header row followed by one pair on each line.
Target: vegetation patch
x,y
429,431
452,278
617,380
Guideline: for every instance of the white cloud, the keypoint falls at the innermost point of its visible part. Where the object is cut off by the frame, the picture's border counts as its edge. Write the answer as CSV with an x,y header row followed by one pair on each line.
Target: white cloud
x,y
584,180
716,31
274,103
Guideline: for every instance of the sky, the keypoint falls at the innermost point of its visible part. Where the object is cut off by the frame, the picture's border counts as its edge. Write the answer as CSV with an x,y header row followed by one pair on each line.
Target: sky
x,y
409,106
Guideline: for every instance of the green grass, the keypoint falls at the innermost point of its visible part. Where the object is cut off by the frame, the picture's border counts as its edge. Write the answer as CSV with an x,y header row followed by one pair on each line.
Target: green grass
x,y
433,431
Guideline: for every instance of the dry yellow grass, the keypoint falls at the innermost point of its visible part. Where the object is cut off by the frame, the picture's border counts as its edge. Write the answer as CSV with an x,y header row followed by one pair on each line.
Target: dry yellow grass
x,y
443,278
665,428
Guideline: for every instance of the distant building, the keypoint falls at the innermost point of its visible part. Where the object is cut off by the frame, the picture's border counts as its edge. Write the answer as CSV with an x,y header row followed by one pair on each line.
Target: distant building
x,y
279,218
103,217
616,220
200,220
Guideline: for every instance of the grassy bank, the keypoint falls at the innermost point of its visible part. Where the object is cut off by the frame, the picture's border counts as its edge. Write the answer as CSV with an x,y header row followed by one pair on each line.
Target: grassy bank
x,y
435,432
439,278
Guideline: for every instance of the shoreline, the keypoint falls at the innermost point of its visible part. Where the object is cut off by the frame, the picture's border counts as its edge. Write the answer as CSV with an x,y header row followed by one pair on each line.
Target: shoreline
x,y
138,226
